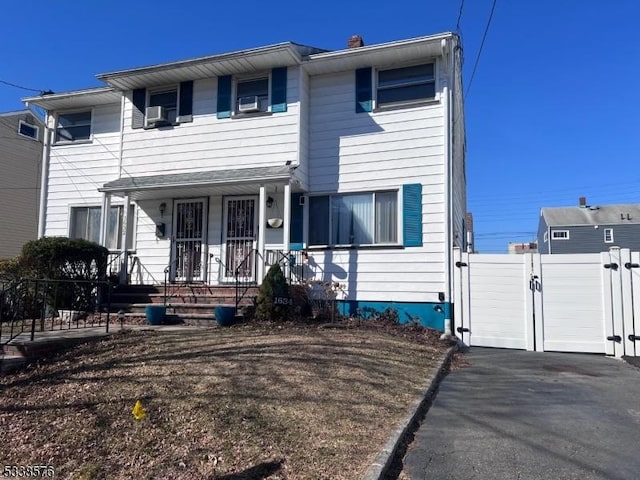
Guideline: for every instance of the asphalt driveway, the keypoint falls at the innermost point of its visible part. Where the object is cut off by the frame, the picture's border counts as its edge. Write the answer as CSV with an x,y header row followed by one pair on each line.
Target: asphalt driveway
x,y
530,415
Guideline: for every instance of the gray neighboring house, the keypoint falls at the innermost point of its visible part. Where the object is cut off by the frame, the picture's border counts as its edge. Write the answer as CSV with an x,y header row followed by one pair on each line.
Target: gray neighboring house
x,y
21,136
589,228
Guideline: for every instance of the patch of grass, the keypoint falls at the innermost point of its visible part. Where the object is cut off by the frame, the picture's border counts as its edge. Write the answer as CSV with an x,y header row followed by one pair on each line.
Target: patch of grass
x,y
246,402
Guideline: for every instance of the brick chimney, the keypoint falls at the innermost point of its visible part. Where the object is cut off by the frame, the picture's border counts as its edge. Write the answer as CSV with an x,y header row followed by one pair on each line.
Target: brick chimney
x,y
355,41
583,201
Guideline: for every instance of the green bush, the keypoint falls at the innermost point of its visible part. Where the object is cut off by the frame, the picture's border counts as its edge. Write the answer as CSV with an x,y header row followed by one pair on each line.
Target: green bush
x,y
273,286
63,258
10,270
71,263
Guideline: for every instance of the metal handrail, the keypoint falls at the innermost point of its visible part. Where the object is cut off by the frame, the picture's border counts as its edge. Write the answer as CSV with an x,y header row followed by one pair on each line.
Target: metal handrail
x,y
236,275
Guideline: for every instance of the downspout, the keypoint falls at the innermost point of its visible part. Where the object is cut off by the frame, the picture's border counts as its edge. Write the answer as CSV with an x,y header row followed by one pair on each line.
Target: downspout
x,y
122,103
448,137
44,179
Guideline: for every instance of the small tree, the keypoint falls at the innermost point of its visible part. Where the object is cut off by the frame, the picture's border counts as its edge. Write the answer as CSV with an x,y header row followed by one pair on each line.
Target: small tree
x,y
273,286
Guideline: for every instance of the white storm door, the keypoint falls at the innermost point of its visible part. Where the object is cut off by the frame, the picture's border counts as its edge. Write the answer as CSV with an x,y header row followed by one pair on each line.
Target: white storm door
x,y
240,237
187,246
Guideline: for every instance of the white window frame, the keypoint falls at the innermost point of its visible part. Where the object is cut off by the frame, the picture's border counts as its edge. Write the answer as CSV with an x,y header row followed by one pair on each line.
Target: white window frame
x,y
248,78
163,89
71,112
555,237
399,207
610,232
132,220
36,127
409,103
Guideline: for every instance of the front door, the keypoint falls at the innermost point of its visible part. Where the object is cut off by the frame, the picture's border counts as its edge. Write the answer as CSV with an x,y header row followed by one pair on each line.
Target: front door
x,y
187,252
240,236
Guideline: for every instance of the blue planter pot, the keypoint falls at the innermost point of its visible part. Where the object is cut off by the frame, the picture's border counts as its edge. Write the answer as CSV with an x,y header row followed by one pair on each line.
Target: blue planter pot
x,y
225,315
155,314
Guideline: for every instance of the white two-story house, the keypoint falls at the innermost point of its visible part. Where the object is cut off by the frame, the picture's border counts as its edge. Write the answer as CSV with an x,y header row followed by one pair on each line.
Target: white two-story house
x,y
214,167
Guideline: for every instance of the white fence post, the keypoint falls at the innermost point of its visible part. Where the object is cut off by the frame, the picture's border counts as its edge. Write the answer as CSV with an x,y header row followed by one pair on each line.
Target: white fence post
x,y
627,302
607,298
536,315
634,273
616,301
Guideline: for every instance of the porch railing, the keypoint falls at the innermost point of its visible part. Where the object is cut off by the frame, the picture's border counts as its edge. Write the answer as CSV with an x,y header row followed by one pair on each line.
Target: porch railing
x,y
293,264
244,274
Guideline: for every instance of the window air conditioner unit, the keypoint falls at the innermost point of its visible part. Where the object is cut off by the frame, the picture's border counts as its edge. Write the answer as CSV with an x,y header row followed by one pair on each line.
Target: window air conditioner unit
x,y
249,104
156,114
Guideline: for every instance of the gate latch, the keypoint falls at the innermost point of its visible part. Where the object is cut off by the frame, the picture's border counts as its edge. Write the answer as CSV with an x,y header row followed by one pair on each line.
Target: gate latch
x,y
615,338
633,338
462,330
630,265
612,266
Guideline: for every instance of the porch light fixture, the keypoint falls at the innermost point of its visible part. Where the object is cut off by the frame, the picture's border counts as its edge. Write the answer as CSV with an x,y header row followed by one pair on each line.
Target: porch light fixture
x,y
162,208
269,202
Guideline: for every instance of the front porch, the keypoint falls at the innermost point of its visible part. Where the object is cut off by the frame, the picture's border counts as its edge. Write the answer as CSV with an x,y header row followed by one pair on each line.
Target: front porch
x,y
207,228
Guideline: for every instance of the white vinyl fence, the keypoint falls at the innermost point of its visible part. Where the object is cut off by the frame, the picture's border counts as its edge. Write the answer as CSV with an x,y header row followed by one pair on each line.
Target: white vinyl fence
x,y
566,303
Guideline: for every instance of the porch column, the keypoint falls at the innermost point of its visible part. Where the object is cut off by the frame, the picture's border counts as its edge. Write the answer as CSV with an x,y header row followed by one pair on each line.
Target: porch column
x,y
286,225
124,264
262,216
104,218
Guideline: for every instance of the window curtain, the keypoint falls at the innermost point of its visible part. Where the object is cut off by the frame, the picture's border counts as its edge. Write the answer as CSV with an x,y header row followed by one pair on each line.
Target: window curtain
x,y
386,217
352,219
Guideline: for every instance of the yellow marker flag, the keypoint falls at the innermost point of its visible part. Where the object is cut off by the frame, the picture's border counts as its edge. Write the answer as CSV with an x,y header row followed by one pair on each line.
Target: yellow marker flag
x,y
138,411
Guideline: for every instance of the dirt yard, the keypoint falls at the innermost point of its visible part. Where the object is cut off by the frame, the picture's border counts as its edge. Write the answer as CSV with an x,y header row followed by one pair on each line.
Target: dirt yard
x,y
276,401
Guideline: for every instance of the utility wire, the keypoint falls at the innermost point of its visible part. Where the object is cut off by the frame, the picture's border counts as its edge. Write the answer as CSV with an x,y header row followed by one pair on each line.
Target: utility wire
x,y
21,87
484,37
459,16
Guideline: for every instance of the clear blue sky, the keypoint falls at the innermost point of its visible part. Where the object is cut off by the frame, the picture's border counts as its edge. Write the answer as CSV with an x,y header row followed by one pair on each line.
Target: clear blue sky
x,y
552,113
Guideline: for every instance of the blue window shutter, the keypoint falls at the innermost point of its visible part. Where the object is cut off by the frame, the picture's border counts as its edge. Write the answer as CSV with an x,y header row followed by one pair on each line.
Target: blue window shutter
x,y
139,101
279,90
412,214
364,97
224,96
186,102
295,236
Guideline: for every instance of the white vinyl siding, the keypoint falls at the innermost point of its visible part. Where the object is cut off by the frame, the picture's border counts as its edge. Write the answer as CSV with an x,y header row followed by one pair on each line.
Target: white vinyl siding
x,y
77,171
209,143
351,153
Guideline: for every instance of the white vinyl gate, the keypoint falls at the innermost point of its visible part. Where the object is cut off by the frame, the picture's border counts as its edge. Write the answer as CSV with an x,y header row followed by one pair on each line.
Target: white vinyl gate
x,y
567,303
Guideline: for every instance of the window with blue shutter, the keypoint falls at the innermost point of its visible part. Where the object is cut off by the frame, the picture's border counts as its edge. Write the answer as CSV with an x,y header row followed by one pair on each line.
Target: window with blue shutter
x,y
364,90
186,102
139,101
279,90
224,97
295,236
412,214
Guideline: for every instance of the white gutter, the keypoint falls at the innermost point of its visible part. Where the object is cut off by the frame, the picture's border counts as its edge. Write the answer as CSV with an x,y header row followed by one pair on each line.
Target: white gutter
x,y
44,176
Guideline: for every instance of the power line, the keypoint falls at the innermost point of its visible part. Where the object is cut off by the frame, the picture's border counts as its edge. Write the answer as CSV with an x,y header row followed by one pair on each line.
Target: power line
x,y
484,37
459,16
21,87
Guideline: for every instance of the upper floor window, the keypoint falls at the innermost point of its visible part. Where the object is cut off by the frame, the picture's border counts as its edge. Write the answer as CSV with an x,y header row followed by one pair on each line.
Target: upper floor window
x,y
608,235
560,234
27,130
252,95
73,127
167,99
162,106
406,85
354,219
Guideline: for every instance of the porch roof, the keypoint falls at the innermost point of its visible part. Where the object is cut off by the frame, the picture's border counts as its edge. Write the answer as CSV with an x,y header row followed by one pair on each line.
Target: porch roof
x,y
174,184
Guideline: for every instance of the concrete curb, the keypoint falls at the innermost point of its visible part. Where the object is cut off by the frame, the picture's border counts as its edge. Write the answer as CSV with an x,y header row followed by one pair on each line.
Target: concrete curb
x,y
385,458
